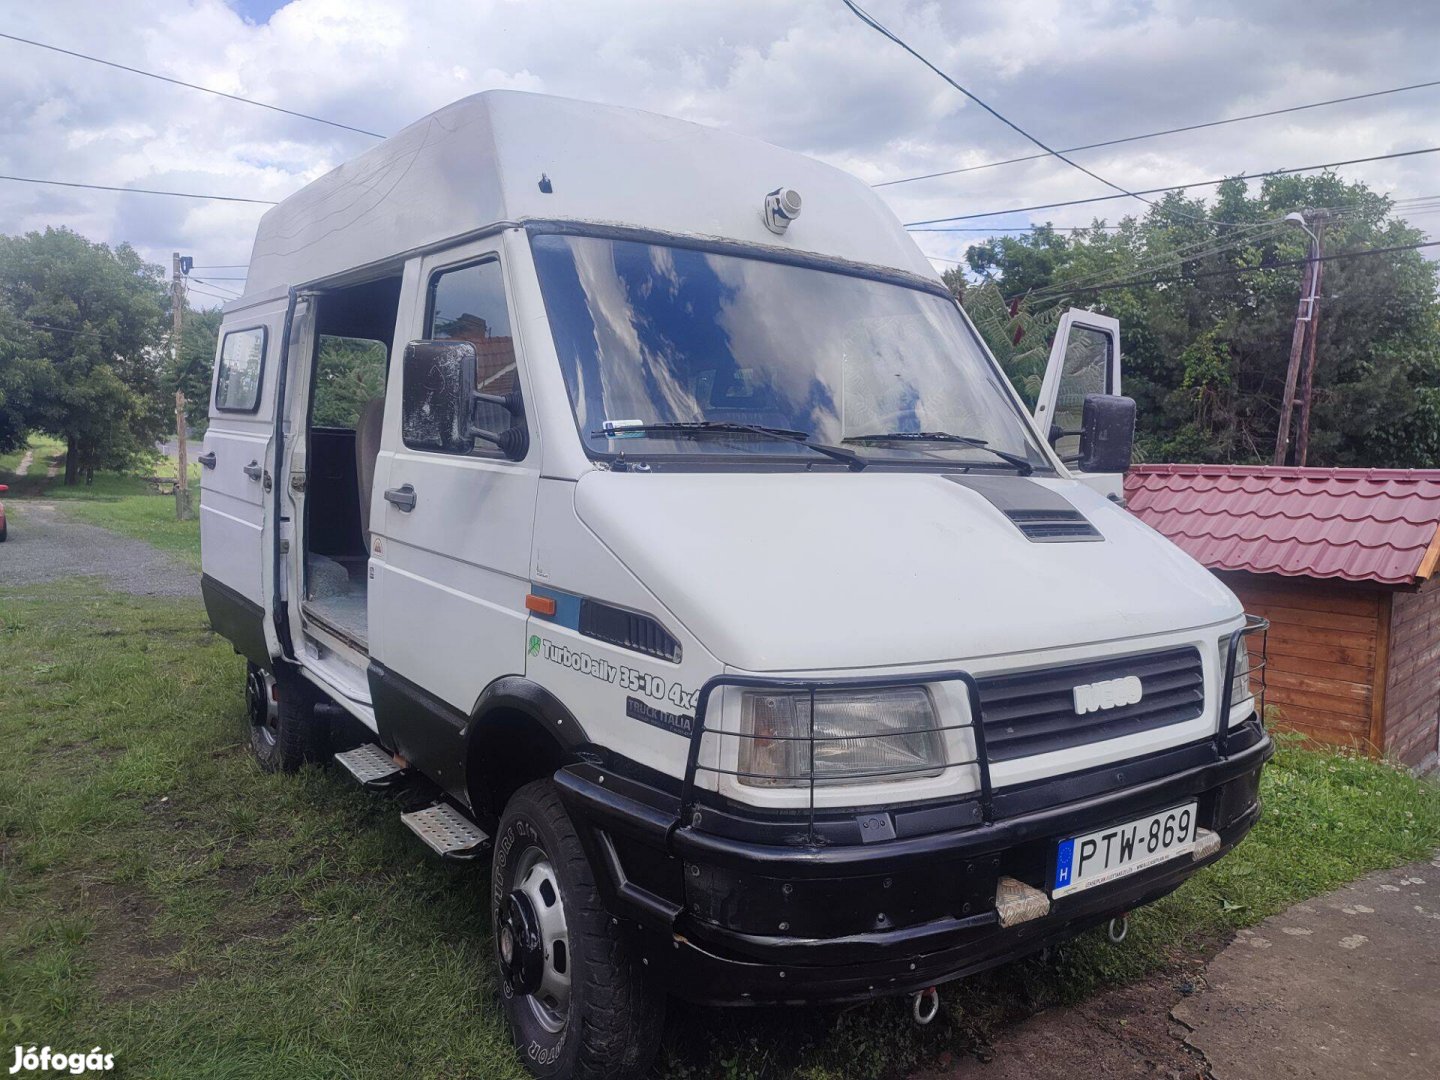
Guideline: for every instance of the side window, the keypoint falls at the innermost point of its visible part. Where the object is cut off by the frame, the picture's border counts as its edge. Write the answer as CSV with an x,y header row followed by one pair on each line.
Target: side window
x,y
1086,370
242,364
468,304
349,372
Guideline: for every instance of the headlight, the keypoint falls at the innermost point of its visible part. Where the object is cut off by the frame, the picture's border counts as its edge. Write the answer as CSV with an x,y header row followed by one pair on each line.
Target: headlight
x,y
1240,691
860,737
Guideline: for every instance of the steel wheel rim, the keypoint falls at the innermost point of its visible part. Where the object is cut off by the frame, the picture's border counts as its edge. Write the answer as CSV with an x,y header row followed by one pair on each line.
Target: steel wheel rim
x,y
260,703
536,879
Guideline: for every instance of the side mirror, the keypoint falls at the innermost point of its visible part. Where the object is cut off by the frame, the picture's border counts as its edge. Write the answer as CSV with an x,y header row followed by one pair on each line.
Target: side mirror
x,y
439,402
1107,436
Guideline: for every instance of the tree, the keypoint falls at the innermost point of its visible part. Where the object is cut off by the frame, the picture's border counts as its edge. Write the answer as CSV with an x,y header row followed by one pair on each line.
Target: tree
x,y
20,377
1206,329
199,331
96,319
1019,337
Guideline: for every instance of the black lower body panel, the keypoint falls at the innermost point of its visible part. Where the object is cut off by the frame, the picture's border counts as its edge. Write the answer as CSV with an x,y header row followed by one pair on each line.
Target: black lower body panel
x,y
427,732
236,618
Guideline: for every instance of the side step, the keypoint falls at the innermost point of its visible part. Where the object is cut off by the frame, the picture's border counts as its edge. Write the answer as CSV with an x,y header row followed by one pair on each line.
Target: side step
x,y
447,832
371,765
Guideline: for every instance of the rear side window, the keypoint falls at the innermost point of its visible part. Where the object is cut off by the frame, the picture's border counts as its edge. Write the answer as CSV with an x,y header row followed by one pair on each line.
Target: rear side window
x,y
349,372
242,363
468,304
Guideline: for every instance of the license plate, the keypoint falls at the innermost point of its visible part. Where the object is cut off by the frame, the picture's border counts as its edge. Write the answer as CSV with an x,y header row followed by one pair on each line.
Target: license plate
x,y
1097,857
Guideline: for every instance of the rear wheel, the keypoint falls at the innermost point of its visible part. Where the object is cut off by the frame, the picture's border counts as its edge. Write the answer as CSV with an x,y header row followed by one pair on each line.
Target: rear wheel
x,y
285,731
575,994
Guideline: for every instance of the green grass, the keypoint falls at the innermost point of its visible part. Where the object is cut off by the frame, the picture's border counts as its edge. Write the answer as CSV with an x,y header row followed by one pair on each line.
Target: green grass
x,y
163,898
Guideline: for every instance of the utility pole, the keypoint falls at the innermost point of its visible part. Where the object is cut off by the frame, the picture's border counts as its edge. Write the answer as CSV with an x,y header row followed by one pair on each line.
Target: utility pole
x,y
182,462
1308,290
1312,332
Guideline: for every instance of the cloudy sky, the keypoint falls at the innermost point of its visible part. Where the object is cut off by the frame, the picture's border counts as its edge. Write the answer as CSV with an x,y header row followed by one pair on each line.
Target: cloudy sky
x,y
804,74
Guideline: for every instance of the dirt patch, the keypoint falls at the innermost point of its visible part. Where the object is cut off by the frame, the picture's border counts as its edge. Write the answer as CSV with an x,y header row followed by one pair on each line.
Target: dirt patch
x,y
129,961
1122,1033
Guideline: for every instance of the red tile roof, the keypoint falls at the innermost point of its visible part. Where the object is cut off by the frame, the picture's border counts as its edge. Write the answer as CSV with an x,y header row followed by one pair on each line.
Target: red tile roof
x,y
1356,524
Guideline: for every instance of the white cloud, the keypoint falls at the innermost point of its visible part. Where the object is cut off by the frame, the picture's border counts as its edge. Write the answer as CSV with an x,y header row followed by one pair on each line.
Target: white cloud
x,y
801,73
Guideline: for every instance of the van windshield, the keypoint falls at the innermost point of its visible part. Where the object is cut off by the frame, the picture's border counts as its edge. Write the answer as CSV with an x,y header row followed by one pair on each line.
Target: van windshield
x,y
649,334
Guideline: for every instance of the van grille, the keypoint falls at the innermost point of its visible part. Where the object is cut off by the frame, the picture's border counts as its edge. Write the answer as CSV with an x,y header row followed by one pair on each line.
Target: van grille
x,y
1033,712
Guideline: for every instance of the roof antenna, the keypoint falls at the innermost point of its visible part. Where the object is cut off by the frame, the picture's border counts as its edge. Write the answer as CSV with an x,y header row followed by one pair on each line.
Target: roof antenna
x,y
545,188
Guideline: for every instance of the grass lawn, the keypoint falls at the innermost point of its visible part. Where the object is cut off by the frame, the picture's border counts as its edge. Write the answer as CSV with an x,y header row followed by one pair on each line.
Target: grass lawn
x,y
164,899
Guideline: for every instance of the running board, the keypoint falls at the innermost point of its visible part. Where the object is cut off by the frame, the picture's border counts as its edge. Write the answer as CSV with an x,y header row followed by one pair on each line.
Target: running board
x,y
371,766
447,832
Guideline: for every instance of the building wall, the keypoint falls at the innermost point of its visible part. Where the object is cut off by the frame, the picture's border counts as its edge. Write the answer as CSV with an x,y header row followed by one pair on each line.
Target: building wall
x,y
1412,695
1326,640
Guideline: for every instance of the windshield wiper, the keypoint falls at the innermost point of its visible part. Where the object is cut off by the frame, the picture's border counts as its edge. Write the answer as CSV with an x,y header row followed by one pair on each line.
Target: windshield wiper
x,y
692,428
1023,467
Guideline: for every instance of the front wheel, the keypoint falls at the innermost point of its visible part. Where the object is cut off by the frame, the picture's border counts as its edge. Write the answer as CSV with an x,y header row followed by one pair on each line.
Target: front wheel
x,y
574,992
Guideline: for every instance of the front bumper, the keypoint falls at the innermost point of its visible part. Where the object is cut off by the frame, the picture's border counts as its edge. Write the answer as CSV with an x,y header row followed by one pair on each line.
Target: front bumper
x,y
730,914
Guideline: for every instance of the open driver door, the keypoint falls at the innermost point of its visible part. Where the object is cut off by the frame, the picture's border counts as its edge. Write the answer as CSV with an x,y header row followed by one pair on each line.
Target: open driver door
x,y
1080,409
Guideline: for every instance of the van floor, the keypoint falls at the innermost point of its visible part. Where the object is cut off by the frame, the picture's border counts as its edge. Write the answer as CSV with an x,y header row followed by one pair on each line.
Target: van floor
x,y
338,595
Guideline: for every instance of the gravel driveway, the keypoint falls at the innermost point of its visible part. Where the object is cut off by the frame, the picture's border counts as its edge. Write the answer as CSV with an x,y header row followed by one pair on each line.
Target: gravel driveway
x,y
47,544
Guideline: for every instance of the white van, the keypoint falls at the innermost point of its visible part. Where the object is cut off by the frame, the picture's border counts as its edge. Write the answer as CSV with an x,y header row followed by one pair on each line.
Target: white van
x,y
644,493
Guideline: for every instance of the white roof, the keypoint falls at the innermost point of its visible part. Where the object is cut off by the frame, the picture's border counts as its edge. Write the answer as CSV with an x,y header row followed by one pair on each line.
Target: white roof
x,y
479,161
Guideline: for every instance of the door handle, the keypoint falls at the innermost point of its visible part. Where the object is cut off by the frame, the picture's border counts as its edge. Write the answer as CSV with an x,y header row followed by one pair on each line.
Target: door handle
x,y
253,470
402,497
208,459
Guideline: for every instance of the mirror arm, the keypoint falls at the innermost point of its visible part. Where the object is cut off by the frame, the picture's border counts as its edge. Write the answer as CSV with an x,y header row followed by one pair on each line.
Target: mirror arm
x,y
514,443
510,402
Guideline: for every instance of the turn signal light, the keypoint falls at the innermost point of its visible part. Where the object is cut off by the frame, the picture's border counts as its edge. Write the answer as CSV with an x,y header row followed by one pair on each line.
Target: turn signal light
x,y
540,605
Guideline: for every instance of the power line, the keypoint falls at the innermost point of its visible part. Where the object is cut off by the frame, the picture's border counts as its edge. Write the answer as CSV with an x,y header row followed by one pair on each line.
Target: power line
x,y
1248,269
190,86
218,288
215,295
1027,228
224,266
61,329
870,21
1172,187
204,291
1157,134
1199,249
135,190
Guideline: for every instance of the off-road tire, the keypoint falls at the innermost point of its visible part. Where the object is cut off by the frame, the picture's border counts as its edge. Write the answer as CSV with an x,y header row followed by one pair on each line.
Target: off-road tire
x,y
292,734
615,1013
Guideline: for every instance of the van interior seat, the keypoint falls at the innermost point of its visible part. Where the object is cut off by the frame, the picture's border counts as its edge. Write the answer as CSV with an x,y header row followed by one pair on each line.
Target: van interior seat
x,y
367,449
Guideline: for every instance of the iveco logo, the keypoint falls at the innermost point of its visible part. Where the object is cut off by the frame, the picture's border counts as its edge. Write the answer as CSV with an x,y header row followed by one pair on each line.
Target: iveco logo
x,y
1110,694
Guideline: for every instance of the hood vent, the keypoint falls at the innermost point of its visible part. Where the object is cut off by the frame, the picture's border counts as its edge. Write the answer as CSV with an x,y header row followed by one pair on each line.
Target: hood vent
x,y
1044,516
1049,526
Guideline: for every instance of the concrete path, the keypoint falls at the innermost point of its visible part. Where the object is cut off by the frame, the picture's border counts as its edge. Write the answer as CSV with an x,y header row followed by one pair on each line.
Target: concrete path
x,y
23,467
1343,986
46,544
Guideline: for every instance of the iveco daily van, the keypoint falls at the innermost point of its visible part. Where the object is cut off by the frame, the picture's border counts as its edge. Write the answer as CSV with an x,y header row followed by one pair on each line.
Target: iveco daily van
x,y
646,496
